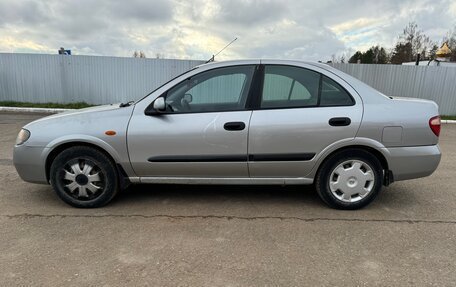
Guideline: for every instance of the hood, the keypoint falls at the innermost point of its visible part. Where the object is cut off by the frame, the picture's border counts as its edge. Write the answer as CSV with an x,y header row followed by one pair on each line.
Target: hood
x,y
77,112
79,124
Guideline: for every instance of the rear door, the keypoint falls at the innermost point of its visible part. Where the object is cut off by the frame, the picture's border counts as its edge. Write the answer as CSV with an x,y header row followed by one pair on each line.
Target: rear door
x,y
300,112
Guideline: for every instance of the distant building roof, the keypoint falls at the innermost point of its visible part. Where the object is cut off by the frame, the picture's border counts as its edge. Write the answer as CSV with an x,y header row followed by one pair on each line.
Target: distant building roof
x,y
431,63
444,51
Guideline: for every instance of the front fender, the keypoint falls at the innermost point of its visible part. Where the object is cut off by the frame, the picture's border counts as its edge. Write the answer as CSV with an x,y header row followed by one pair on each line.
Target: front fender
x,y
81,138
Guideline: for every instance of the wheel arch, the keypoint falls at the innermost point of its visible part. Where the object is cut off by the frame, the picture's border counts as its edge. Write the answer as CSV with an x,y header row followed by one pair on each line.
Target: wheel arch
x,y
373,147
65,145
379,155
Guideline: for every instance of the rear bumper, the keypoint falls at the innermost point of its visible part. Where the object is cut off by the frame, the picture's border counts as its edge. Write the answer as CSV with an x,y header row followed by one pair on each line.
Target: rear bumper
x,y
412,162
30,163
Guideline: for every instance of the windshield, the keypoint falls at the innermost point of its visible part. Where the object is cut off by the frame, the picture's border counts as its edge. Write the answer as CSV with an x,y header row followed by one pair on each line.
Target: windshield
x,y
166,83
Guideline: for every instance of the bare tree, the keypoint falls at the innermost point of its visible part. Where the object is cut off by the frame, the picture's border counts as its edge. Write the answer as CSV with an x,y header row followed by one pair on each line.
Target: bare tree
x,y
139,54
416,41
450,39
342,59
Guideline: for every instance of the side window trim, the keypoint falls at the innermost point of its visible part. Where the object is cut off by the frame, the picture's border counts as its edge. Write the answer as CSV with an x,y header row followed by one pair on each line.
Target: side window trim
x,y
257,97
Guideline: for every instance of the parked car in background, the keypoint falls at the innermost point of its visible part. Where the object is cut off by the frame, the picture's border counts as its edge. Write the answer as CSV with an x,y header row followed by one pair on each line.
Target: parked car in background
x,y
238,122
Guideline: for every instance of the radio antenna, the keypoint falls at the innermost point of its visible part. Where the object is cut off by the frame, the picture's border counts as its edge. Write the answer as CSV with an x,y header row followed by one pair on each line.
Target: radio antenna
x,y
213,56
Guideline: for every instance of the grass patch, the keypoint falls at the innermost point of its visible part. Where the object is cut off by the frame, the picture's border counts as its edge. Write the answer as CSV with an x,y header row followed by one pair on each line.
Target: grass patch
x,y
448,117
78,105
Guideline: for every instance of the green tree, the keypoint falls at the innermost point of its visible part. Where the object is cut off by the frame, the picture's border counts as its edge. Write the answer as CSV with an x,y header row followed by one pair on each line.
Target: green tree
x,y
374,55
379,55
368,57
402,52
354,59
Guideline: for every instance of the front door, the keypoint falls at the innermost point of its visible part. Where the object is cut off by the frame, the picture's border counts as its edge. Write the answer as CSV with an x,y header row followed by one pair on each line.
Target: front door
x,y
202,133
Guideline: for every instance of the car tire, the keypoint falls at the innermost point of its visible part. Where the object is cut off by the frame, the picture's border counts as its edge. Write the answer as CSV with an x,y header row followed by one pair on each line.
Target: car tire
x,y
84,177
350,179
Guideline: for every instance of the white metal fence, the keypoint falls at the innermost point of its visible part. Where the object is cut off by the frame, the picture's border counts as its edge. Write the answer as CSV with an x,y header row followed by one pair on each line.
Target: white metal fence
x,y
95,80
426,82
100,80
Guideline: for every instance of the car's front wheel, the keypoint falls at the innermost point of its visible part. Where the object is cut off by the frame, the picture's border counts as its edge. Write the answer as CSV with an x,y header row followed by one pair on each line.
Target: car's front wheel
x,y
84,177
350,179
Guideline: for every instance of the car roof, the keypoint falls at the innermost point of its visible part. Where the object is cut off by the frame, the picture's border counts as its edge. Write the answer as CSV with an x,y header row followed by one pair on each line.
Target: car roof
x,y
267,61
261,61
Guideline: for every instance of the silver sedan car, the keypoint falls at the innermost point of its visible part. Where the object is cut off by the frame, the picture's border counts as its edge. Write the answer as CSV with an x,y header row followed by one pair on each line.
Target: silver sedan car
x,y
238,122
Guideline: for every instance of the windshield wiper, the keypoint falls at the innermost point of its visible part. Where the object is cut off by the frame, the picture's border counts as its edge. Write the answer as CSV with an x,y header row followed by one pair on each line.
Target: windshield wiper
x,y
127,104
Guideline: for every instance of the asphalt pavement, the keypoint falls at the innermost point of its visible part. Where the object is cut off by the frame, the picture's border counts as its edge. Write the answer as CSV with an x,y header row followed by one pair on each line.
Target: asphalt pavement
x,y
175,235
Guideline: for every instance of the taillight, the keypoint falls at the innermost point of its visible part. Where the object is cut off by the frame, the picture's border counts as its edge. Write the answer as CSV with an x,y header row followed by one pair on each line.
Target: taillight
x,y
434,124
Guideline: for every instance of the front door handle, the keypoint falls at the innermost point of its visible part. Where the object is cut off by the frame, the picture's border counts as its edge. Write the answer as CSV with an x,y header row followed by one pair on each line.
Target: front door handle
x,y
234,126
339,122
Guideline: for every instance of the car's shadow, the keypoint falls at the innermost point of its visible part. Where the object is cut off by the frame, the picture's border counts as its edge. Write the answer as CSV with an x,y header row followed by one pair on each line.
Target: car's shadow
x,y
245,196
221,193
232,197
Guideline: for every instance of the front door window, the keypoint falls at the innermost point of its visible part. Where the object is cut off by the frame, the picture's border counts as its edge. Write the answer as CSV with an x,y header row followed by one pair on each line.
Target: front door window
x,y
223,89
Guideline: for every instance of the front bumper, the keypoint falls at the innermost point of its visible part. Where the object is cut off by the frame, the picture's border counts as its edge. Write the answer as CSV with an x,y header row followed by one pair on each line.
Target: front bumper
x,y
412,162
30,163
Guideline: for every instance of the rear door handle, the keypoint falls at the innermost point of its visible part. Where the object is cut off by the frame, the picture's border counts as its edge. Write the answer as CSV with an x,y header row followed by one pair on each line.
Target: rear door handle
x,y
339,122
234,126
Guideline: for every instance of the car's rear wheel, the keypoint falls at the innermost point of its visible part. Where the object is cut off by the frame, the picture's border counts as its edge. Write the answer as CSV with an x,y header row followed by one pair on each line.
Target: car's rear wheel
x,y
84,177
350,179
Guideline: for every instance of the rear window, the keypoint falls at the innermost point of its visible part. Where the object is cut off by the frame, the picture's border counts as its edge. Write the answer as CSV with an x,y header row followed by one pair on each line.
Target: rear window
x,y
332,94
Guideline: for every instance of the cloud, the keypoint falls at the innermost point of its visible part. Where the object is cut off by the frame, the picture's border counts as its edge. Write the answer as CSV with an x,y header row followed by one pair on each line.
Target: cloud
x,y
354,25
359,33
253,12
452,9
22,12
311,30
23,45
142,10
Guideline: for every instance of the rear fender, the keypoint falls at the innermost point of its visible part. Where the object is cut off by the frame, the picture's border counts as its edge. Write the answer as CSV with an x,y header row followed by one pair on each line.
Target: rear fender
x,y
357,142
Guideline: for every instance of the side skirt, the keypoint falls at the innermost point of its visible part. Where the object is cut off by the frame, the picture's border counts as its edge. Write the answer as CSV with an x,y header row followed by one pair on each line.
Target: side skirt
x,y
222,180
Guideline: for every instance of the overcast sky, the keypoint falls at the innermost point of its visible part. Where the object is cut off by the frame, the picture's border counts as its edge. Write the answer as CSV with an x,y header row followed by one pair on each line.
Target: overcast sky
x,y
310,30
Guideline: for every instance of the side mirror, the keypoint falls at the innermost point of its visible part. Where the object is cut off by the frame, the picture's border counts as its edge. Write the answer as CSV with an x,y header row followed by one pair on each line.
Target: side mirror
x,y
188,98
157,107
160,104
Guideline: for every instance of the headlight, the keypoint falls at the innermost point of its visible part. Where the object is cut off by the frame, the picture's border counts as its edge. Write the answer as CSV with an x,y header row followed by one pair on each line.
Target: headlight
x,y
22,137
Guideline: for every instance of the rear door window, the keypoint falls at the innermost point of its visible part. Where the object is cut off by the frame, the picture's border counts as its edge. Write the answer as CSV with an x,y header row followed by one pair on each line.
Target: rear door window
x,y
291,87
287,86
